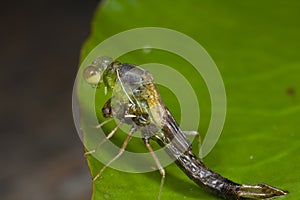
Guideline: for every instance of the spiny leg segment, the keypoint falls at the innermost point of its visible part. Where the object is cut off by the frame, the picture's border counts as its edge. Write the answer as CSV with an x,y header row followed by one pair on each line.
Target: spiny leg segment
x,y
159,166
106,138
195,133
121,151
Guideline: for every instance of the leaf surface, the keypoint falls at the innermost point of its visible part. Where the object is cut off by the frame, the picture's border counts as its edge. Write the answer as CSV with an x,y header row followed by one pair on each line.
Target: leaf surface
x,y
255,45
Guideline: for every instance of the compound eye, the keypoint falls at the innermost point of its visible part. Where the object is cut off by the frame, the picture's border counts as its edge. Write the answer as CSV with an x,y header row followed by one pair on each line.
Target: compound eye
x,y
92,75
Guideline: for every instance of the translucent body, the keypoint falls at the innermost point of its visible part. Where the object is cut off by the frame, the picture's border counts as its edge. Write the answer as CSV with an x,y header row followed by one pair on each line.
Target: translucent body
x,y
136,101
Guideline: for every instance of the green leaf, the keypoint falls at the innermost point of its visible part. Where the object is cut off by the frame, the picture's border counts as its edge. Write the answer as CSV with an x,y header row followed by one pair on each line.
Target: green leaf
x,y
255,45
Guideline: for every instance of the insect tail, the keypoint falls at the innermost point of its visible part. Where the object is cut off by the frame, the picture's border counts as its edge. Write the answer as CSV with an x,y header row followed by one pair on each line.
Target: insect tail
x,y
259,191
179,149
221,186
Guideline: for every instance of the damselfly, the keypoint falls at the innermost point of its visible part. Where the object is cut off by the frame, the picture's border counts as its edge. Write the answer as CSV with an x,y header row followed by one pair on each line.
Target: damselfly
x,y
136,101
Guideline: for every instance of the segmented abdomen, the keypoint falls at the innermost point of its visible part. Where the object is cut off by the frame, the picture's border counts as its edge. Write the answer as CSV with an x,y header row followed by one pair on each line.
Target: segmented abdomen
x,y
206,178
179,148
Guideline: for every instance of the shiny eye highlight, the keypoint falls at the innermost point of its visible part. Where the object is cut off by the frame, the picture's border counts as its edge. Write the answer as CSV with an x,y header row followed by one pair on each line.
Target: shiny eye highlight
x,y
92,75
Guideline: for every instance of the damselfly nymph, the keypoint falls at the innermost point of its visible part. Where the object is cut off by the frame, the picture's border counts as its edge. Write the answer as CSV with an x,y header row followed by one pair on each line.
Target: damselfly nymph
x,y
136,101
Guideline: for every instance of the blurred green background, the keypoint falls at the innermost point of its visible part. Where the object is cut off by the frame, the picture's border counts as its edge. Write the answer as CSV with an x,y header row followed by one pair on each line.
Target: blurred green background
x,y
255,45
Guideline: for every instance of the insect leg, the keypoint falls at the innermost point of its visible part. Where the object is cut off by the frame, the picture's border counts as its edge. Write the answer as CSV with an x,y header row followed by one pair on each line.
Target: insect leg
x,y
159,166
125,143
192,133
103,123
106,138
195,133
119,78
